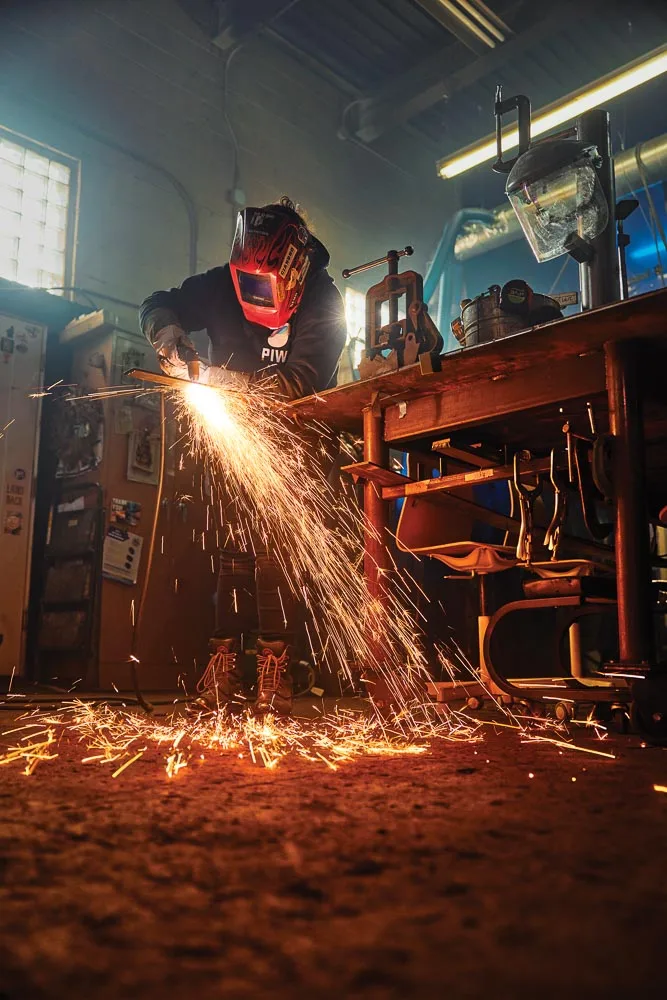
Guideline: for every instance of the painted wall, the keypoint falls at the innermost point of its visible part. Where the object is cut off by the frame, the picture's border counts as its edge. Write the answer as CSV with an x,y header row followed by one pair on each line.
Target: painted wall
x,y
105,79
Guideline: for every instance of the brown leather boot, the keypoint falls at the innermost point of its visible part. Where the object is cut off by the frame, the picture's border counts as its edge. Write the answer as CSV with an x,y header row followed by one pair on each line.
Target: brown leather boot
x,y
221,684
274,681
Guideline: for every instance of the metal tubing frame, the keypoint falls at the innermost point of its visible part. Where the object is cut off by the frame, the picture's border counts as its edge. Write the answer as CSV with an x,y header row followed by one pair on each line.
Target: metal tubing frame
x,y
600,279
633,564
573,689
376,555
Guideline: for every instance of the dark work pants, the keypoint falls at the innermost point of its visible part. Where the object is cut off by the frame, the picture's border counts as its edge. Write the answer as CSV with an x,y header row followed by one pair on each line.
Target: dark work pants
x,y
253,596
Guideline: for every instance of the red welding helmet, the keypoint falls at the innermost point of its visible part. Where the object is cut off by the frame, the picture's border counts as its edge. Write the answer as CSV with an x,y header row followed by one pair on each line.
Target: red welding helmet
x,y
269,262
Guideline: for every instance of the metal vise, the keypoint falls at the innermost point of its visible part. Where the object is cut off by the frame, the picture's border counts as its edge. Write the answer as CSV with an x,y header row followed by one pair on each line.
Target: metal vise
x,y
403,338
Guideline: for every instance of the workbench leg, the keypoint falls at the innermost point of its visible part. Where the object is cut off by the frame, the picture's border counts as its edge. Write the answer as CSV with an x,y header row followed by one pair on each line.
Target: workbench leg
x,y
376,555
376,558
633,565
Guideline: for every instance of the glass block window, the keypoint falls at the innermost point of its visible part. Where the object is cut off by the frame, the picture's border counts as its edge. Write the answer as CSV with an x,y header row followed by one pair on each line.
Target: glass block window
x,y
35,197
355,315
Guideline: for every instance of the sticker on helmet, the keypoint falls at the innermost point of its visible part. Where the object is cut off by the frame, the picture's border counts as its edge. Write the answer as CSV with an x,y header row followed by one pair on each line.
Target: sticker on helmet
x,y
304,270
288,259
260,218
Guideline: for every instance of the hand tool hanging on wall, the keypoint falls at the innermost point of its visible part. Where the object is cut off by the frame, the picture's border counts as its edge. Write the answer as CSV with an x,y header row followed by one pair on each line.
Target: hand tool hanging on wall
x,y
406,338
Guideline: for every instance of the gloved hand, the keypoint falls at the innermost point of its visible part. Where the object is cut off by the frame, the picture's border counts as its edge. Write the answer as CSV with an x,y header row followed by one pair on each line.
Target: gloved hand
x,y
167,344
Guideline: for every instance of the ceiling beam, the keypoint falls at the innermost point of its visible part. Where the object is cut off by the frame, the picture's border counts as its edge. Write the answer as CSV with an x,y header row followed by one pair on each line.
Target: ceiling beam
x,y
432,79
238,20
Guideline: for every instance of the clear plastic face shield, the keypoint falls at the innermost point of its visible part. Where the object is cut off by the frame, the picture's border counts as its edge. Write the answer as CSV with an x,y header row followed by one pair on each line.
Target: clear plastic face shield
x,y
567,201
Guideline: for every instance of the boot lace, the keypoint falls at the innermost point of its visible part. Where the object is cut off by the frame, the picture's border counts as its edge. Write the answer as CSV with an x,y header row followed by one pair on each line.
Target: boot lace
x,y
220,663
270,669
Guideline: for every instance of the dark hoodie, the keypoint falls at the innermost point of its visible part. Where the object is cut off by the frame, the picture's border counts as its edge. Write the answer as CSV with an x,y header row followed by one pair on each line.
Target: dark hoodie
x,y
303,356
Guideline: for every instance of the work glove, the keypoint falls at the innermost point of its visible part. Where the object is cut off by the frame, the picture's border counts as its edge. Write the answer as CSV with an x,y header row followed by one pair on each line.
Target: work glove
x,y
173,348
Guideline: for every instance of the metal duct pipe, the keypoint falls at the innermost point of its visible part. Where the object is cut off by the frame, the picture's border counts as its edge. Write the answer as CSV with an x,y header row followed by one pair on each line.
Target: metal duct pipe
x,y
478,237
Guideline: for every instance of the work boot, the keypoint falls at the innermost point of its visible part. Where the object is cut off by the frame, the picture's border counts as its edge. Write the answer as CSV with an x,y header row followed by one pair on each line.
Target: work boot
x,y
221,684
274,681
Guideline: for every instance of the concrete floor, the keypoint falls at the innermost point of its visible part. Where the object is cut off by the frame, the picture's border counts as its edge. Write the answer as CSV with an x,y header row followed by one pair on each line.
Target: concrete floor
x,y
450,875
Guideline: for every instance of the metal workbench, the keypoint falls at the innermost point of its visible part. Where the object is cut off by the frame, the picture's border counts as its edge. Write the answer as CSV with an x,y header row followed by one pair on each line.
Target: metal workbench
x,y
517,392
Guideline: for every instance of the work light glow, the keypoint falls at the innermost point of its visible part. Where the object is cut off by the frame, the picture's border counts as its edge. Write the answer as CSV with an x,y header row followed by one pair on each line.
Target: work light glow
x,y
606,89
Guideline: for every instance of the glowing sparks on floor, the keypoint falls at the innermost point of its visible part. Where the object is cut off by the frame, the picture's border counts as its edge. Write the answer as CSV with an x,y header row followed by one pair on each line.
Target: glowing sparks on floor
x,y
122,737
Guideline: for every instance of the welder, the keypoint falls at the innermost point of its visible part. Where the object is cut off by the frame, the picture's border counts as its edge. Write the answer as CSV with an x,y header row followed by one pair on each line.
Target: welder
x,y
273,316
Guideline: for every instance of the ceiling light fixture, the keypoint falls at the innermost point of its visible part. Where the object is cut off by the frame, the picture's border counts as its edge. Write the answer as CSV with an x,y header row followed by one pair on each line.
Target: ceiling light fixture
x,y
467,23
631,75
475,10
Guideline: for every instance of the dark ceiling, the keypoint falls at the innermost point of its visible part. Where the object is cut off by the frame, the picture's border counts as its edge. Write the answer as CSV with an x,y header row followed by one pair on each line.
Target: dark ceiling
x,y
433,65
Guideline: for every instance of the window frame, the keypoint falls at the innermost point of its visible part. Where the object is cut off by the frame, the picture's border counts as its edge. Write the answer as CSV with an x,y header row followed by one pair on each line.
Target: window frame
x,y
72,235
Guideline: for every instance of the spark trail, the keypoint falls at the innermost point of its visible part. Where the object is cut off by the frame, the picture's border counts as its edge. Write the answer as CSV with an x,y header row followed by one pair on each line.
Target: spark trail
x,y
255,454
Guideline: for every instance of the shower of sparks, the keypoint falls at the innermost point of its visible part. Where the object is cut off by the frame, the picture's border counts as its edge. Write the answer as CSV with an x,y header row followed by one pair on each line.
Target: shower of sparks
x,y
260,466
258,457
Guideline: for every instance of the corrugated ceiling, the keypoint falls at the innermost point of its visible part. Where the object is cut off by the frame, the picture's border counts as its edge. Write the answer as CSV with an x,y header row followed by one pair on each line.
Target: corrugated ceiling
x,y
371,45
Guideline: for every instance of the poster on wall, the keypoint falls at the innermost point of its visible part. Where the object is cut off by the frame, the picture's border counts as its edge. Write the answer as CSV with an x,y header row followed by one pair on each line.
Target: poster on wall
x,y
126,512
143,457
76,434
14,497
121,556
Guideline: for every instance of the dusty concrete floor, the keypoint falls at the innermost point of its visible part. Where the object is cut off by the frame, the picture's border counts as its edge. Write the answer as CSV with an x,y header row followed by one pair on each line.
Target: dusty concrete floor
x,y
448,875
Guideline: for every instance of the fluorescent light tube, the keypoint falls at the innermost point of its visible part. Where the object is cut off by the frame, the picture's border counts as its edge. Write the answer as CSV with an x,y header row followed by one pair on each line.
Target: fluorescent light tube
x,y
632,75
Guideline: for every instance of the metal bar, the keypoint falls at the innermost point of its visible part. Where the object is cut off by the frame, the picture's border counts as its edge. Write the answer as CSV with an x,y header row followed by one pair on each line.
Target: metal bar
x,y
374,474
601,276
168,381
459,479
635,626
448,450
390,258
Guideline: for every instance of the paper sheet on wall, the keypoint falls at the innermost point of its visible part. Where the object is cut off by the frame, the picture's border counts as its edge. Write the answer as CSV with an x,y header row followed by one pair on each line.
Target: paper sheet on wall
x,y
122,554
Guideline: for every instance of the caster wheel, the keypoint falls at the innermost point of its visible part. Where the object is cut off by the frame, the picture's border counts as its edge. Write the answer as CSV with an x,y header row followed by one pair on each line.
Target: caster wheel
x,y
619,721
603,713
475,702
648,710
563,711
653,725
